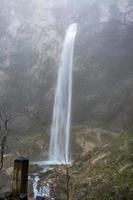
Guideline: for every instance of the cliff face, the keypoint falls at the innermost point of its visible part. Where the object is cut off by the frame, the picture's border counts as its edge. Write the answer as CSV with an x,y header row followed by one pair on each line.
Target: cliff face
x,y
31,35
29,53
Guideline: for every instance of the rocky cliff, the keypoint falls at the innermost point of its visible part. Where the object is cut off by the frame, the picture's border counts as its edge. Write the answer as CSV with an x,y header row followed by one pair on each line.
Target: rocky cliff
x,y
31,35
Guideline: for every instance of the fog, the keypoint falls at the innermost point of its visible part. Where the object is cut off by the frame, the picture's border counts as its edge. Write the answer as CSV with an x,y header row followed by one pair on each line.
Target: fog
x,y
31,36
31,41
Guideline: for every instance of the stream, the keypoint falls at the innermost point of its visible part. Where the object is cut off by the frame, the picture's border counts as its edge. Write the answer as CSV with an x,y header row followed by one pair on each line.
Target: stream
x,y
43,190
41,186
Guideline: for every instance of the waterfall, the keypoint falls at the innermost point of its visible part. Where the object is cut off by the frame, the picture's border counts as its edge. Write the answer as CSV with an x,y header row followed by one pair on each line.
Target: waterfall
x,y
60,130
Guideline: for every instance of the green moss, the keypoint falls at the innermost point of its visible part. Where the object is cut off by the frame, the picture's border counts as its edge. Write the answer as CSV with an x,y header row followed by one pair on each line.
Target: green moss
x,y
110,177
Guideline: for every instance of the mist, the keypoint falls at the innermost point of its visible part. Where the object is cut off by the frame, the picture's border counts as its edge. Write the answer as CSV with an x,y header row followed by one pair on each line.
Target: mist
x,y
31,40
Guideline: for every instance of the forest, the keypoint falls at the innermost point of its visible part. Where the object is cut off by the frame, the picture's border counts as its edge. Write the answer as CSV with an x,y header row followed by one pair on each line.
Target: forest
x,y
66,97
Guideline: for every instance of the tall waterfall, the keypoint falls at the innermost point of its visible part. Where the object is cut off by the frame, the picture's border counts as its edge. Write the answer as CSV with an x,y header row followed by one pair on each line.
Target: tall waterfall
x,y
60,130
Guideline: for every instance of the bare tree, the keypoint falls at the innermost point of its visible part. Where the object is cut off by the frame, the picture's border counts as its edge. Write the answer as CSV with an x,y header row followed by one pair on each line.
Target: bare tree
x,y
6,118
4,131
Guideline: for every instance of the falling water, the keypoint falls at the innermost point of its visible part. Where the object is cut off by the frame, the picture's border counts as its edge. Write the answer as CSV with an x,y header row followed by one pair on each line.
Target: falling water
x,y
60,131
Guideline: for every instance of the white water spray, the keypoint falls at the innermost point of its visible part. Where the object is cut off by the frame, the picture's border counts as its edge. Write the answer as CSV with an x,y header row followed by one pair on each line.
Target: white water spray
x,y
60,131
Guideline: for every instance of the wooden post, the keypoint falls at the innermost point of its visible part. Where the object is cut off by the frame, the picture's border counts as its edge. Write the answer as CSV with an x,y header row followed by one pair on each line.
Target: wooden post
x,y
20,177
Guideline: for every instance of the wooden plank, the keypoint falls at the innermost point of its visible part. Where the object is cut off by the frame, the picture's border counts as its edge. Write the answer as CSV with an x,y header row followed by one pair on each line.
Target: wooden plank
x,y
20,177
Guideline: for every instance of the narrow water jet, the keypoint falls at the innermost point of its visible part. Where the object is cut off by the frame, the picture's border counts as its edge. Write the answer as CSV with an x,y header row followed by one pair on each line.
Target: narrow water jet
x,y
60,130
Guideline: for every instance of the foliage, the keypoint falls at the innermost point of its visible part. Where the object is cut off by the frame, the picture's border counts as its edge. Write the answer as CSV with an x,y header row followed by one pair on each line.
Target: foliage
x,y
107,177
107,174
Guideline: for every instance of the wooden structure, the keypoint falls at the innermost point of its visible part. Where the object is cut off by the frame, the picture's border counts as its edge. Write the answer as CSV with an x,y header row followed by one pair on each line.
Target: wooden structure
x,y
20,182
20,178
